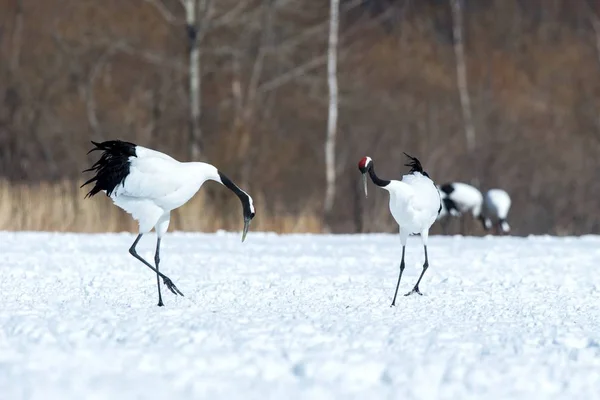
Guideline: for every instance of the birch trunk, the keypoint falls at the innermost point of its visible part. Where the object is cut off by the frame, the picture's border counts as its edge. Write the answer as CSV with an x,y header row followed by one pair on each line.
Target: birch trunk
x,y
195,131
330,167
461,73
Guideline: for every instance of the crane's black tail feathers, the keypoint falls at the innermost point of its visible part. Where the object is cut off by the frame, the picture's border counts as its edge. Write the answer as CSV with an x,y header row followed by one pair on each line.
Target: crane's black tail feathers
x,y
113,166
414,164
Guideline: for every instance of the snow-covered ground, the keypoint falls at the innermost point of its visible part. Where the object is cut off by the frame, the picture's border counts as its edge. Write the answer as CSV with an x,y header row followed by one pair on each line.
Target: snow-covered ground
x,y
299,316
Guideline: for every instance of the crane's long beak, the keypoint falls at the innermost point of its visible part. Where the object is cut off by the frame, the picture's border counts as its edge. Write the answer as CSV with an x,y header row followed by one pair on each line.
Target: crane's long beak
x,y
246,226
364,179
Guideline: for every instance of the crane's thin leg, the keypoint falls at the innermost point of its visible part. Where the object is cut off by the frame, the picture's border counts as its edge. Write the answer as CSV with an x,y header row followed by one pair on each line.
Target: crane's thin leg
x,y
170,285
157,261
425,266
399,277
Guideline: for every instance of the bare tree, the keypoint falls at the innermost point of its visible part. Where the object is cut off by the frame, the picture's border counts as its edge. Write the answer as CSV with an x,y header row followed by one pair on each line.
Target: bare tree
x,y
250,84
461,73
196,28
330,166
198,14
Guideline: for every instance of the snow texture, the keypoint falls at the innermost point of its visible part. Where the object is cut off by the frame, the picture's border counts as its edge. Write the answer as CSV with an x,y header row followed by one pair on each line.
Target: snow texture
x,y
299,317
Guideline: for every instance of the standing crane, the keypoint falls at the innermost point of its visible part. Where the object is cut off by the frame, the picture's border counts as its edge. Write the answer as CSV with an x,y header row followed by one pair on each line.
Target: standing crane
x,y
149,185
414,203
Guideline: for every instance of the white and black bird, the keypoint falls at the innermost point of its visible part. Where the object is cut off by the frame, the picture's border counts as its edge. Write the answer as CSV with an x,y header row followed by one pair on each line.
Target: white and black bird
x,y
414,203
496,206
458,199
148,185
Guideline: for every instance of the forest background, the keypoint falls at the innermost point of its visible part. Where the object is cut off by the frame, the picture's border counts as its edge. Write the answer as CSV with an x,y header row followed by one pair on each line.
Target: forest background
x,y
496,93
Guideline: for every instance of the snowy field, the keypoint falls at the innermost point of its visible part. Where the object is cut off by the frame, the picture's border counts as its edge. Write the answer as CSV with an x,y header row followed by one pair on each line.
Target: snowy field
x,y
299,316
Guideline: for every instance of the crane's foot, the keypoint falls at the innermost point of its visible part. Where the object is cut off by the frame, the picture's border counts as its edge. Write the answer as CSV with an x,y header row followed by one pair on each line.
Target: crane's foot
x,y
415,290
171,286
160,303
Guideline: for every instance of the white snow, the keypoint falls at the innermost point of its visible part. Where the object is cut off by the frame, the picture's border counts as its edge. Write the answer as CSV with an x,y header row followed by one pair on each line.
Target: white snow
x,y
298,316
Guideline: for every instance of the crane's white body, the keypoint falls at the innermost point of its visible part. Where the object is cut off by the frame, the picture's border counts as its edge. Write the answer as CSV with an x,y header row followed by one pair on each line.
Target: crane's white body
x,y
157,184
496,207
148,185
465,197
414,204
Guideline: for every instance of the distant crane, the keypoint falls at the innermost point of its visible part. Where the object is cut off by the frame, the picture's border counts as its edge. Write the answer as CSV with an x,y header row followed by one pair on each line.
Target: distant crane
x,y
148,185
459,198
414,203
496,205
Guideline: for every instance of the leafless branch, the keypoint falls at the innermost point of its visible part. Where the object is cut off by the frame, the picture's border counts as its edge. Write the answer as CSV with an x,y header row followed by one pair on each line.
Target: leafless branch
x,y
152,57
166,14
320,28
294,73
231,15
206,22
258,62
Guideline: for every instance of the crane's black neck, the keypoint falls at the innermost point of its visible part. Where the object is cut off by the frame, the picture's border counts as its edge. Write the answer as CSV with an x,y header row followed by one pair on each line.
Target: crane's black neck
x,y
376,180
247,205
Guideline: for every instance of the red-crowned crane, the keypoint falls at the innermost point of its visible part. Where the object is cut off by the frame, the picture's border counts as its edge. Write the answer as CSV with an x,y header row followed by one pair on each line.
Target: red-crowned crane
x,y
496,205
458,199
148,185
414,203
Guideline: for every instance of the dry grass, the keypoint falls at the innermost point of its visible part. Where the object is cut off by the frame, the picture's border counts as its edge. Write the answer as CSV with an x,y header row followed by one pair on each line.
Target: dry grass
x,y
61,207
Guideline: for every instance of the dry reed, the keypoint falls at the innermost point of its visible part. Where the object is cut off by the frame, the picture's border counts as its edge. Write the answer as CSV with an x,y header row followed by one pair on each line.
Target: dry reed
x,y
61,207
